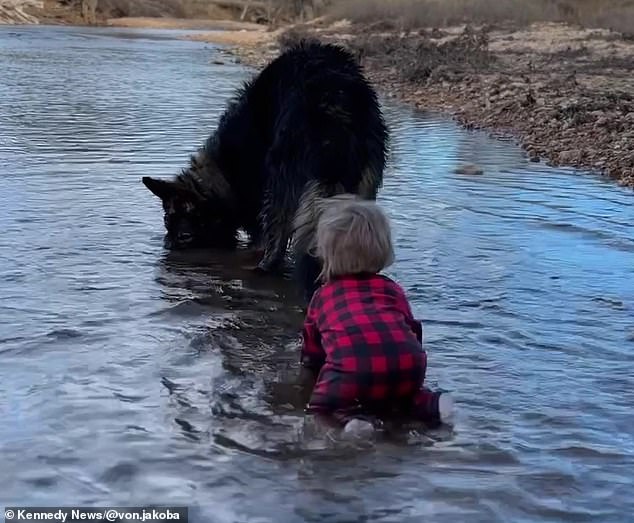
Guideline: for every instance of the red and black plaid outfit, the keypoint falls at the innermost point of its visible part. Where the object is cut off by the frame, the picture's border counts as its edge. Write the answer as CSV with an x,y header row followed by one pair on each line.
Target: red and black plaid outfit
x,y
362,340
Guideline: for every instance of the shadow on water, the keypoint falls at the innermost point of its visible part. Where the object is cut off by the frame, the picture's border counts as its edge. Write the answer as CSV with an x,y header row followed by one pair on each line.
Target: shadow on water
x,y
129,375
253,322
250,317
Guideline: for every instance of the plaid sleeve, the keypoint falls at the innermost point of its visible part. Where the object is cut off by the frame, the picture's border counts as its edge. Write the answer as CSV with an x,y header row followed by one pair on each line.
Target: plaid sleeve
x,y
313,355
417,327
403,304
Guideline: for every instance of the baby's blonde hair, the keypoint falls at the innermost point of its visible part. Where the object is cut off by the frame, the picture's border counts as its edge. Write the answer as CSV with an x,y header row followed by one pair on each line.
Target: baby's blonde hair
x,y
353,236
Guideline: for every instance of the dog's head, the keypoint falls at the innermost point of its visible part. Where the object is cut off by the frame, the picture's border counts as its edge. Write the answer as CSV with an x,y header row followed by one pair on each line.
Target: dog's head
x,y
191,219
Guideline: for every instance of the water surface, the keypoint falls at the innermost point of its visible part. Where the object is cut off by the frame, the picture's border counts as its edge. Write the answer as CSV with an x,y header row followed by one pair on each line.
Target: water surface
x,y
129,376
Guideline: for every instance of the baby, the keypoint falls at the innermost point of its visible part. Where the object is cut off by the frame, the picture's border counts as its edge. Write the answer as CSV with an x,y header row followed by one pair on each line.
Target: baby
x,y
362,347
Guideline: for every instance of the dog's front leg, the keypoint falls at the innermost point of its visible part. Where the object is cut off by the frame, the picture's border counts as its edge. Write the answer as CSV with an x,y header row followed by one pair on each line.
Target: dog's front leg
x,y
276,231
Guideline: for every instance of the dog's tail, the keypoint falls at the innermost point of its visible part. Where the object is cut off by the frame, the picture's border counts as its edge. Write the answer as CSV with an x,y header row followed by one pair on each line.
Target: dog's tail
x,y
316,195
314,200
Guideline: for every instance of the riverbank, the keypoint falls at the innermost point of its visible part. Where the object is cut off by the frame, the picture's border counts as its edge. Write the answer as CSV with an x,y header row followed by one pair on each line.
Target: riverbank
x,y
231,26
564,93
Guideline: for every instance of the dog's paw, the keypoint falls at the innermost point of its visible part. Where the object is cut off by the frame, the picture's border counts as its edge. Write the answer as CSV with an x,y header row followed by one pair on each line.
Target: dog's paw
x,y
259,269
264,267
255,253
255,269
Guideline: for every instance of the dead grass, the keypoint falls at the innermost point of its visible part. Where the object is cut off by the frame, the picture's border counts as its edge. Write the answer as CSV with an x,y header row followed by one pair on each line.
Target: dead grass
x,y
281,11
293,36
410,14
150,8
196,9
392,15
620,19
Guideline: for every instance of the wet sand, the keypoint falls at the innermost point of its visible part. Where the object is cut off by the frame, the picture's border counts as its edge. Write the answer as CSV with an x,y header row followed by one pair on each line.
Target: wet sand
x,y
182,23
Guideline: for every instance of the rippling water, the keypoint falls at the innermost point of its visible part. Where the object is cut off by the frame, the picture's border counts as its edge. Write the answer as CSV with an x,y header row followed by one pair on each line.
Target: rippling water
x,y
129,376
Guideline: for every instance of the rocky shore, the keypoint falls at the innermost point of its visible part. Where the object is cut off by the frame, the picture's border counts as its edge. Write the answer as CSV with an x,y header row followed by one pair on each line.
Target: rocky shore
x,y
565,94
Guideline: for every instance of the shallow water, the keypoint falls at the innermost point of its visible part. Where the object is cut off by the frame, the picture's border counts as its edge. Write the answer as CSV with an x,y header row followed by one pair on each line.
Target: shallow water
x,y
129,376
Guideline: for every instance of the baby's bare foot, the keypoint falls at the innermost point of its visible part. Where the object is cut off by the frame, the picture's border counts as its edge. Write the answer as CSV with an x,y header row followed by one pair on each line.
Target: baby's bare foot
x,y
358,429
446,408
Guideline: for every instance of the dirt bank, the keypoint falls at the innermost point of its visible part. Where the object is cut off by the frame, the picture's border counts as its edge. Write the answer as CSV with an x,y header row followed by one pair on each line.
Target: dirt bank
x,y
566,94
184,23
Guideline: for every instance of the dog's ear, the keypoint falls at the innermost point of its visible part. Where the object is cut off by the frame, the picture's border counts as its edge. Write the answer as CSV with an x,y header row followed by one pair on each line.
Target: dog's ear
x,y
161,188
168,190
171,190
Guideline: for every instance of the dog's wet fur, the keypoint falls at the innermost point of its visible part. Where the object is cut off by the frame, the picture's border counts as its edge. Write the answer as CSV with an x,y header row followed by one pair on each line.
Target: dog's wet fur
x,y
308,126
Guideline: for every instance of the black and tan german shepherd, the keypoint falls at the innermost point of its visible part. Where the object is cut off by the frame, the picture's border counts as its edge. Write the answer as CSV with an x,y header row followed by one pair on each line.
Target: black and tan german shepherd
x,y
308,126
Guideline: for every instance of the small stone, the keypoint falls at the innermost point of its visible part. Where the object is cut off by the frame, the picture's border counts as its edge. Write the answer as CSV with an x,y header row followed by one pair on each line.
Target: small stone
x,y
468,169
567,156
601,121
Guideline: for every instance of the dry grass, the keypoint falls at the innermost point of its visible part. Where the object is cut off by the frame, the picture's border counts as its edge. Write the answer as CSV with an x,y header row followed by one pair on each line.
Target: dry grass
x,y
410,14
281,10
394,14
199,9
293,36
619,19
122,8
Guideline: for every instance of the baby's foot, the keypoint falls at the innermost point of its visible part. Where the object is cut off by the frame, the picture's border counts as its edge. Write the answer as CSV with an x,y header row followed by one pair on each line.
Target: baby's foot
x,y
445,408
358,428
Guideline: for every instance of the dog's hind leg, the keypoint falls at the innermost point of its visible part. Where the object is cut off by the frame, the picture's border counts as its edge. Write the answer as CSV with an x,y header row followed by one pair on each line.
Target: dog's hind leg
x,y
307,269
